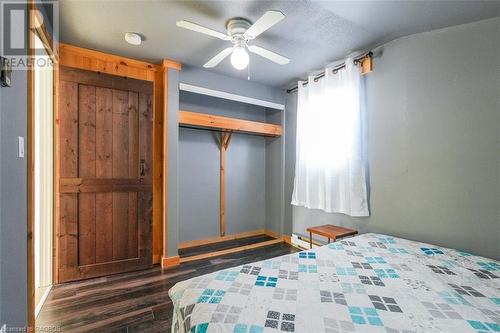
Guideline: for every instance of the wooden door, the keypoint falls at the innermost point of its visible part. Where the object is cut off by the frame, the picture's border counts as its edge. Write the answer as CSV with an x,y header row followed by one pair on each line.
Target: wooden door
x,y
105,178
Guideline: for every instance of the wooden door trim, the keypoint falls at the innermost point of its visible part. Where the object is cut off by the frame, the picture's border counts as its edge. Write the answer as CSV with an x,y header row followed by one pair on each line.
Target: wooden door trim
x,y
96,61
160,147
55,163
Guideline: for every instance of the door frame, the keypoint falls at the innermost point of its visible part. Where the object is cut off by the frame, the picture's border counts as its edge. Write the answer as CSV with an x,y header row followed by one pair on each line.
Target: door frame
x,y
36,28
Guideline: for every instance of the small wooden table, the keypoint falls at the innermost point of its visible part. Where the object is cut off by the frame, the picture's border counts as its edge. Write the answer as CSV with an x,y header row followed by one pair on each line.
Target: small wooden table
x,y
330,231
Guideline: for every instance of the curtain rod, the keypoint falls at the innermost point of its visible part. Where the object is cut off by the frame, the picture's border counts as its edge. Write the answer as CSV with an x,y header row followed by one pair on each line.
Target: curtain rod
x,y
356,61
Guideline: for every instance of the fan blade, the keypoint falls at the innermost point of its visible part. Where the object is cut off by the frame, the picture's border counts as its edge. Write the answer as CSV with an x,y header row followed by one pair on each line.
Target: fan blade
x,y
279,59
266,21
218,58
202,29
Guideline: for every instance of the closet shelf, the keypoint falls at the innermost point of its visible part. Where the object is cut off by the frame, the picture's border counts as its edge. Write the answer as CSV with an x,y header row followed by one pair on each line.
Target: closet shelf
x,y
203,120
229,96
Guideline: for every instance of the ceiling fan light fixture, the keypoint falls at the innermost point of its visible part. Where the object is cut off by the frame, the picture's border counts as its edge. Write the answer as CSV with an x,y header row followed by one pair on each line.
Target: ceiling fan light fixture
x,y
239,58
239,31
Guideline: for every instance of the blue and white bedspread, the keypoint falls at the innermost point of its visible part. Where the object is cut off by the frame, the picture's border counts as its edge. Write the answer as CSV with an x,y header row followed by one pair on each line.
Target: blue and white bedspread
x,y
369,283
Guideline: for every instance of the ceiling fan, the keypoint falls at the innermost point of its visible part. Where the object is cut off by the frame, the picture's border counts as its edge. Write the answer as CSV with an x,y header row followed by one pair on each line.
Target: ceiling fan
x,y
239,32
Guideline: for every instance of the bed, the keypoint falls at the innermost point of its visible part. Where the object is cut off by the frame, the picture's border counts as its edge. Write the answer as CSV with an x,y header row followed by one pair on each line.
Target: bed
x,y
368,283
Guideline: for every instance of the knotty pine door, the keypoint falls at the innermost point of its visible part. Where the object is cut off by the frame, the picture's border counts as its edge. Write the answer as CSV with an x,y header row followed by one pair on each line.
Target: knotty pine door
x,y
105,182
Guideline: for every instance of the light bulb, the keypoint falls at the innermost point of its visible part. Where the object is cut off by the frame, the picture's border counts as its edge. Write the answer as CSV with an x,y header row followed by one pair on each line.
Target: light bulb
x,y
239,58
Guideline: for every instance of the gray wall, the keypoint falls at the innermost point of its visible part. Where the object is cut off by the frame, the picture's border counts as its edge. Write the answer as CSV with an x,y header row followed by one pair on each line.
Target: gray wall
x,y
289,135
199,186
275,165
253,163
433,141
1,204
13,203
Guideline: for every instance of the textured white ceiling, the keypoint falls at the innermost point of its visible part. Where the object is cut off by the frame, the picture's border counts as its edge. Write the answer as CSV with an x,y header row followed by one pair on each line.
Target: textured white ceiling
x,y
313,34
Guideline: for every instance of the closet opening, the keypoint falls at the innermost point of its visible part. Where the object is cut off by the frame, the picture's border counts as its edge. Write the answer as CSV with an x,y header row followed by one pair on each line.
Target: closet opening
x,y
230,162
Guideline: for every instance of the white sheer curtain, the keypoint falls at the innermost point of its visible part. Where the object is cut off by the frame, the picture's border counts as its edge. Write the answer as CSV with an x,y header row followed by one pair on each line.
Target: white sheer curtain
x,y
329,165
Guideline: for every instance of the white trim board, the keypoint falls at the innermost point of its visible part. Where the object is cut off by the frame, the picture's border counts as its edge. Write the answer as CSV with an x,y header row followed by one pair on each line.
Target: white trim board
x,y
229,96
42,300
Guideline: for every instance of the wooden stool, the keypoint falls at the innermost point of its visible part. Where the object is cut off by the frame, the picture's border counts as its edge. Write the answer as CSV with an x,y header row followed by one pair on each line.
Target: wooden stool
x,y
330,231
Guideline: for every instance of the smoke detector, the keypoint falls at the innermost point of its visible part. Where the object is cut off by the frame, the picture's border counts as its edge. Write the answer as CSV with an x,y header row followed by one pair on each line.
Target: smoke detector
x,y
133,38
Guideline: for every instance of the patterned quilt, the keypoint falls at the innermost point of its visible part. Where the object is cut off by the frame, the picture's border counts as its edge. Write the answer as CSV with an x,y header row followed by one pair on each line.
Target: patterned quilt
x,y
369,283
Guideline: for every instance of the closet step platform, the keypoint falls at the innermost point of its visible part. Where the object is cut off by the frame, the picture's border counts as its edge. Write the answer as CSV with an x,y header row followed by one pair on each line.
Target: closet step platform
x,y
192,251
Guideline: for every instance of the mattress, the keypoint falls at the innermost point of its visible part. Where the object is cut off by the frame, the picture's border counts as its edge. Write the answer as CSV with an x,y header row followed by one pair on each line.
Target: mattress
x,y
368,283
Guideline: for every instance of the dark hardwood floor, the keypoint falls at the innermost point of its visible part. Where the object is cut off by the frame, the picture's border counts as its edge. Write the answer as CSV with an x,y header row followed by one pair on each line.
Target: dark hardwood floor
x,y
133,302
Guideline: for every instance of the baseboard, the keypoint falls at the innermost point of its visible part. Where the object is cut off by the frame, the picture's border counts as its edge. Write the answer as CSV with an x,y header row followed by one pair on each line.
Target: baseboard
x,y
218,239
170,261
271,233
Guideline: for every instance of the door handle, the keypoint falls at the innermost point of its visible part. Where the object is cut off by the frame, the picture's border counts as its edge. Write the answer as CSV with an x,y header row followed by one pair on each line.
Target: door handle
x,y
142,168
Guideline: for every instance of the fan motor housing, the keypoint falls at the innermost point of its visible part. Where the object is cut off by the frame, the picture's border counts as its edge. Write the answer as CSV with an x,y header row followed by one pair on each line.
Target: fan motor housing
x,y
237,26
